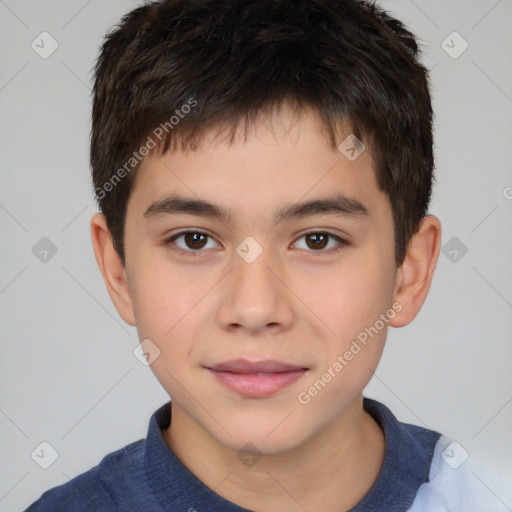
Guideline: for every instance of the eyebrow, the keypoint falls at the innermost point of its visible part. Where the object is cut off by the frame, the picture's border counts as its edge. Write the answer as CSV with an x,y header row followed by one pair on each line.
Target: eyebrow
x,y
337,204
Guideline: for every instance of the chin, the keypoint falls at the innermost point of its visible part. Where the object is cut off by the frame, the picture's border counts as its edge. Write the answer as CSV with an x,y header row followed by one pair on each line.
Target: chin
x,y
258,440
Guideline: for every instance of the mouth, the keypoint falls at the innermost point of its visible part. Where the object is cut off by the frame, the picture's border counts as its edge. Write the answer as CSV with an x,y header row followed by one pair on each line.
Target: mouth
x,y
257,379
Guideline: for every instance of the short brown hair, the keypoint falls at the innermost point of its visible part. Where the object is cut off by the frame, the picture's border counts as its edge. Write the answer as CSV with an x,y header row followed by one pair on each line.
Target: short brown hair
x,y
223,62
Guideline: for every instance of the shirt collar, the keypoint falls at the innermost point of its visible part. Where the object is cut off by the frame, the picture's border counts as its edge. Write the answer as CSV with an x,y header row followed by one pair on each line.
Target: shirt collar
x,y
408,454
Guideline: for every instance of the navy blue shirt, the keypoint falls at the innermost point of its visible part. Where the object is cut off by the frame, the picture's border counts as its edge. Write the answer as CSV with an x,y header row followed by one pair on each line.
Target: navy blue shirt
x,y
146,475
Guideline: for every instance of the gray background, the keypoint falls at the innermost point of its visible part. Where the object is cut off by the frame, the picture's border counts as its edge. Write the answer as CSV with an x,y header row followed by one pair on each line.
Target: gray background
x,y
68,373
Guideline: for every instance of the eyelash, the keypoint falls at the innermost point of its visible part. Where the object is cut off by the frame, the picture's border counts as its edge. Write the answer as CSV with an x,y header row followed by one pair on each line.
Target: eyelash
x,y
195,253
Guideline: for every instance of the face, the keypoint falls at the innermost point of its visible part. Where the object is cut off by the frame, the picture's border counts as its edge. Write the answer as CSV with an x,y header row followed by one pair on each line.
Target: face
x,y
264,273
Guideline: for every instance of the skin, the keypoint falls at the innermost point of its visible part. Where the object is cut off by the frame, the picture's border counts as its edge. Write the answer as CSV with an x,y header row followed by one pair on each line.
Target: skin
x,y
294,303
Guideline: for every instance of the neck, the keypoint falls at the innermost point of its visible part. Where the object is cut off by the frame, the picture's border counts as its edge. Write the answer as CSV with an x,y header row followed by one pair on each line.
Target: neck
x,y
330,472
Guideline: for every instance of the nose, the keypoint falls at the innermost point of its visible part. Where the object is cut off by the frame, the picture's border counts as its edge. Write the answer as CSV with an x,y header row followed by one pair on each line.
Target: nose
x,y
254,297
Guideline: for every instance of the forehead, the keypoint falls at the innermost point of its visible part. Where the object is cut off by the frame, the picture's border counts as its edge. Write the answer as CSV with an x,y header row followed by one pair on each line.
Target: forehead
x,y
281,160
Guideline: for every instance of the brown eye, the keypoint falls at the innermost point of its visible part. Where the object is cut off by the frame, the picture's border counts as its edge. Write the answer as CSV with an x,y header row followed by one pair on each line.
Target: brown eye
x,y
192,241
195,240
317,240
321,242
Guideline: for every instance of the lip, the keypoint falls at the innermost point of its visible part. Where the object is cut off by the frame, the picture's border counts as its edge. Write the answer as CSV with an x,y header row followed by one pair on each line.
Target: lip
x,y
256,379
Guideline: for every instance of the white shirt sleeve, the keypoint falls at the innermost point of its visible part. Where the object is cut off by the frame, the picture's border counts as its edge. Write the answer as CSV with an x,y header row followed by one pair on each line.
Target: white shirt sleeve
x,y
455,486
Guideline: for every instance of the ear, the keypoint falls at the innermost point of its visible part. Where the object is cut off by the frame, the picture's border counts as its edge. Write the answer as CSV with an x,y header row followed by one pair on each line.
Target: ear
x,y
415,274
112,268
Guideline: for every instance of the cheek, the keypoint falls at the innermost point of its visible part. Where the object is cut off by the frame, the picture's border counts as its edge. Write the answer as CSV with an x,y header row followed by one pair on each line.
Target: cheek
x,y
166,306
161,298
351,297
170,309
347,359
358,294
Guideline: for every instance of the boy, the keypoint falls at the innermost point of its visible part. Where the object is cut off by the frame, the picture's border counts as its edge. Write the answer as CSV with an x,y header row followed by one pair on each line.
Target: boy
x,y
264,170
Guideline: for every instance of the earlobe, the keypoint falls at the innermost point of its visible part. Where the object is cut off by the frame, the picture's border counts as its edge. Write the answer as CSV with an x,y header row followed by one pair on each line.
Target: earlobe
x,y
111,267
415,275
